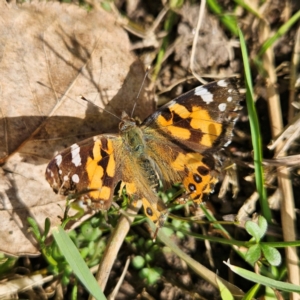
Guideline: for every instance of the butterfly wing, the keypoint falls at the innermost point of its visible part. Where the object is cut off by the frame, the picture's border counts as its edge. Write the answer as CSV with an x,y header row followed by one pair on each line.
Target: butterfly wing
x,y
201,119
183,135
90,170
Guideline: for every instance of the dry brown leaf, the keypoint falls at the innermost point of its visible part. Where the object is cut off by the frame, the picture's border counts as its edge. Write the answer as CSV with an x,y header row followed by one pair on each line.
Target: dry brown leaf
x,y
51,54
214,51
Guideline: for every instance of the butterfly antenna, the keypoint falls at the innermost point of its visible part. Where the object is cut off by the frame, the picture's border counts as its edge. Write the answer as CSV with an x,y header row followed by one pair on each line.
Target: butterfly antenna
x,y
89,101
138,95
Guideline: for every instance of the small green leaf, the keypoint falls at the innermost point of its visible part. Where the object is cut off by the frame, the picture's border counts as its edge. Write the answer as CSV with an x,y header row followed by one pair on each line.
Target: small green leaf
x,y
56,253
177,224
149,257
141,242
253,254
84,252
89,232
65,280
74,292
180,235
176,4
151,274
263,225
6,263
138,262
144,273
35,228
271,254
224,291
254,230
148,244
47,227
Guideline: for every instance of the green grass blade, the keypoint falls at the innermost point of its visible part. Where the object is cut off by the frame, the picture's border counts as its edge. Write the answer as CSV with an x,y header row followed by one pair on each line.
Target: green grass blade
x,y
77,263
255,133
229,21
280,32
247,7
281,244
266,281
252,292
224,292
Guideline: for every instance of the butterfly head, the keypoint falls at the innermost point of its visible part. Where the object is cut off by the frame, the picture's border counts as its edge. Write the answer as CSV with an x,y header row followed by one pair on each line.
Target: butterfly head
x,y
127,123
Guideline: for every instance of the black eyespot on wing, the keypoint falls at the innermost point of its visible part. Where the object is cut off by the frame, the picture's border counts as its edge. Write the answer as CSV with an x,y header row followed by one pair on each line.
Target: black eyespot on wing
x,y
192,187
202,171
197,178
149,211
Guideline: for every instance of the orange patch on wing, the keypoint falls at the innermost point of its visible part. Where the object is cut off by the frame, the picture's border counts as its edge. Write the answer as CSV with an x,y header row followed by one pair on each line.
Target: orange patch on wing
x,y
208,140
163,122
191,160
180,110
179,163
179,132
111,167
200,119
130,188
176,108
96,172
105,192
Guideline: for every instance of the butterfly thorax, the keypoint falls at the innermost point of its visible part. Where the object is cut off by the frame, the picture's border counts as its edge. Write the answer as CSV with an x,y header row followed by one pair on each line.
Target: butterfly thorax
x,y
133,140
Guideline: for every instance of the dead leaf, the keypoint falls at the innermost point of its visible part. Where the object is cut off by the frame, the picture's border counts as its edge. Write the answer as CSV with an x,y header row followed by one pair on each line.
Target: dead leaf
x,y
214,52
51,54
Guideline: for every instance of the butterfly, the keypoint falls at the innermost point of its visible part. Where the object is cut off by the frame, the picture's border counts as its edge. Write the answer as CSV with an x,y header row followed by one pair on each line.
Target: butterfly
x,y
176,144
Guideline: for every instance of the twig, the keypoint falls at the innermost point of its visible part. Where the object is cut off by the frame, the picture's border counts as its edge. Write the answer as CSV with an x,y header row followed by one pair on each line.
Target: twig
x,y
200,19
113,246
287,205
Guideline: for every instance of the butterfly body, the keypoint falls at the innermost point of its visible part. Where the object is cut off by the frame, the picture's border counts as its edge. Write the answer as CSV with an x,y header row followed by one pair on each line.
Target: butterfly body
x,y
176,144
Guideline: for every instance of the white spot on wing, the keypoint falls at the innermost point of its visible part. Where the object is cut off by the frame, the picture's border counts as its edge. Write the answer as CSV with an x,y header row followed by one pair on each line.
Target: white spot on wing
x,y
76,158
227,143
229,99
66,178
58,159
222,83
75,178
222,106
205,94
60,171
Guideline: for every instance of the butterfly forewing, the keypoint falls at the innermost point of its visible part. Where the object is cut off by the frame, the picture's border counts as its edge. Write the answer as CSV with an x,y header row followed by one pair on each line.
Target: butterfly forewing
x,y
201,119
88,170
